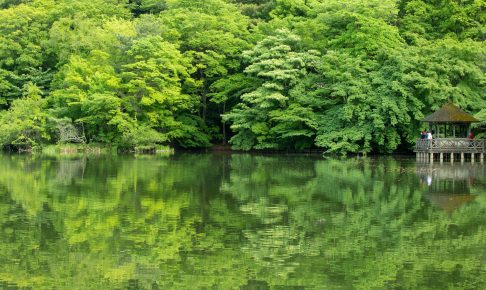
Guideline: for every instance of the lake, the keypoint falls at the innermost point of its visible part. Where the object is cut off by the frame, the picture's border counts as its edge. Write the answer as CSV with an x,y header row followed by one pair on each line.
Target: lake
x,y
240,221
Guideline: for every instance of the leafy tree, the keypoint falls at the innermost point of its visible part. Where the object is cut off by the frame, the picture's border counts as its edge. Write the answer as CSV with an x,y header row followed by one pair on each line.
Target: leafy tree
x,y
227,92
153,91
139,7
435,19
30,41
213,35
480,127
276,114
86,92
256,9
23,126
79,35
23,30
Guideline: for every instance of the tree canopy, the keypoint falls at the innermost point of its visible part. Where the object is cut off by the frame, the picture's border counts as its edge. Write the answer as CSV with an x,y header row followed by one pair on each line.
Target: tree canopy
x,y
343,76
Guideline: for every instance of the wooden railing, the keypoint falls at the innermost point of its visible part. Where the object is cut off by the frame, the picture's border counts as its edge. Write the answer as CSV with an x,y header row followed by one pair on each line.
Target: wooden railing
x,y
451,144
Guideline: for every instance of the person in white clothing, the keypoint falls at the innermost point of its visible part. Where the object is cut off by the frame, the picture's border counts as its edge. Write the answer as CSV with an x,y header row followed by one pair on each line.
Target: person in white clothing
x,y
429,135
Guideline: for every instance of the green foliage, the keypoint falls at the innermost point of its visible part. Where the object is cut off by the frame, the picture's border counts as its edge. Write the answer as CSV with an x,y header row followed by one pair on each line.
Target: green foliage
x,y
23,126
139,7
153,81
275,115
22,31
174,71
434,19
480,127
85,92
212,34
256,9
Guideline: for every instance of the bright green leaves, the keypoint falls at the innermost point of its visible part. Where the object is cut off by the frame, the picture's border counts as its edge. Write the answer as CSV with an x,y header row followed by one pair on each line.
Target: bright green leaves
x,y
274,115
23,30
36,35
86,92
452,70
365,35
213,35
138,100
23,126
435,19
480,127
154,75
351,99
168,70
153,91
284,8
372,103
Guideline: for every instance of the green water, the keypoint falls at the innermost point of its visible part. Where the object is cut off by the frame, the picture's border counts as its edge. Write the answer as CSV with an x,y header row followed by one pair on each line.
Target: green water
x,y
218,221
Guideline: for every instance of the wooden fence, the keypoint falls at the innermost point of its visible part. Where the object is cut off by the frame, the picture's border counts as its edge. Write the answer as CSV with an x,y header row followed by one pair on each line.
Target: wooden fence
x,y
451,145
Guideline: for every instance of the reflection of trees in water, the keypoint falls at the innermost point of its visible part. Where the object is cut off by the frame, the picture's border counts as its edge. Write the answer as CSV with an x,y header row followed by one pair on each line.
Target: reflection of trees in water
x,y
360,221
70,169
117,219
232,220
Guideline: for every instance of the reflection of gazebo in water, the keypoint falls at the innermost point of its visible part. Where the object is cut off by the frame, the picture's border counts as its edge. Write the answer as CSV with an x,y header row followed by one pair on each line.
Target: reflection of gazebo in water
x,y
449,186
449,202
450,127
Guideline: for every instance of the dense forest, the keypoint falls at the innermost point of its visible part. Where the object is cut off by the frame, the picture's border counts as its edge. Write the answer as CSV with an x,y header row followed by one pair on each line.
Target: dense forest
x,y
341,75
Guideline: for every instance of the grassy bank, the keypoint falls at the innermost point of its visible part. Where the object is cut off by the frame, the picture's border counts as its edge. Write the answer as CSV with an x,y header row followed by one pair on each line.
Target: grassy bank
x,y
101,149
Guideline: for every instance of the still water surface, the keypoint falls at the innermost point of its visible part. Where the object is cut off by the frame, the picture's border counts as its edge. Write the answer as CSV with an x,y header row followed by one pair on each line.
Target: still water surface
x,y
220,221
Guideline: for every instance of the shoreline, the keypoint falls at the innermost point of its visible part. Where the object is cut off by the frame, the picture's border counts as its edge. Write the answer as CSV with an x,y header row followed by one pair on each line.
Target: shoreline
x,y
103,149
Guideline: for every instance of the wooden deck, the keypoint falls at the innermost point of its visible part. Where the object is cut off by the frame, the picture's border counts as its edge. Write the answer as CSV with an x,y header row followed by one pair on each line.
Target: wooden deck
x,y
462,149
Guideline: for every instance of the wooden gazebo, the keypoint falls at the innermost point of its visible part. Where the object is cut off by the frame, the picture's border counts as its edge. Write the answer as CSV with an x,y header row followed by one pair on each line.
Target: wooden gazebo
x,y
450,127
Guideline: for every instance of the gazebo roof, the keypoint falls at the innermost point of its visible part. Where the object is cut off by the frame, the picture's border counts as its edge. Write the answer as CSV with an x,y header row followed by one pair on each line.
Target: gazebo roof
x,y
449,113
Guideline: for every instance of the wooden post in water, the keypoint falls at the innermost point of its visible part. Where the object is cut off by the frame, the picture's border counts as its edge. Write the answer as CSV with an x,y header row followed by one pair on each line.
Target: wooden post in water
x,y
452,157
481,157
472,157
462,157
431,157
441,157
